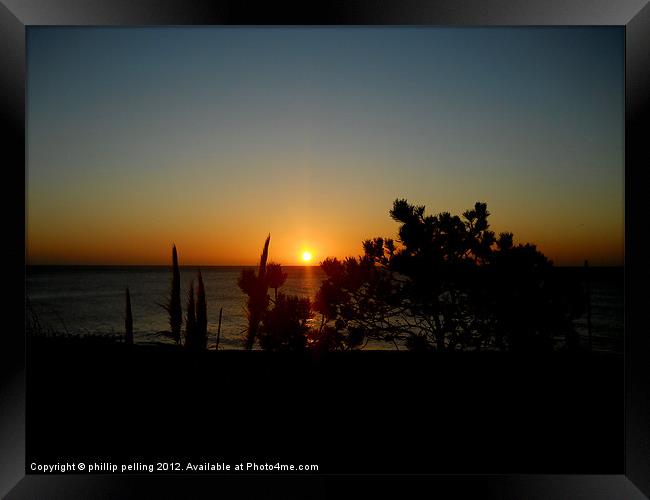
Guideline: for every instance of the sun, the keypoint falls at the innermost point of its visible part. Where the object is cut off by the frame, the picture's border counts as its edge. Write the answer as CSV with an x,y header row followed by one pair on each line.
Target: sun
x,y
306,256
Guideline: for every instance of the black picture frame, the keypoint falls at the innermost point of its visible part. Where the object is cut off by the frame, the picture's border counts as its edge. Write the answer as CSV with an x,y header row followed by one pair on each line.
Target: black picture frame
x,y
634,15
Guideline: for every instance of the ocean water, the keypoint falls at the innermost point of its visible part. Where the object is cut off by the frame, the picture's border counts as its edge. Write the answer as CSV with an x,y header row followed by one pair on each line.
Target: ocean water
x,y
90,300
606,296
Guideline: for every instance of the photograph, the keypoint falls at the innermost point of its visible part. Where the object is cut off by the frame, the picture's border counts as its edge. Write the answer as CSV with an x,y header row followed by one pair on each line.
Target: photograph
x,y
431,189
315,250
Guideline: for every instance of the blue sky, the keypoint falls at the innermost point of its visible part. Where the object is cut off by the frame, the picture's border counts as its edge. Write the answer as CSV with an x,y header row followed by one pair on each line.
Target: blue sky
x,y
142,136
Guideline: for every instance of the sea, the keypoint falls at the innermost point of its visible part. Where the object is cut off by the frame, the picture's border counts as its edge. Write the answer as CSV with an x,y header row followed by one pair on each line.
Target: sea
x,y
90,300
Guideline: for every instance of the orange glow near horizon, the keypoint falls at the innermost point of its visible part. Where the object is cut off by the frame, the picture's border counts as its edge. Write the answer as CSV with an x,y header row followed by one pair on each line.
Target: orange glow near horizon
x,y
79,229
155,249
211,138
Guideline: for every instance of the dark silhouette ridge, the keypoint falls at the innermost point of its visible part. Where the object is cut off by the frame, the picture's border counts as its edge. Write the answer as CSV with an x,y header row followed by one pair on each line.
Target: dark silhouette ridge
x,y
128,320
488,407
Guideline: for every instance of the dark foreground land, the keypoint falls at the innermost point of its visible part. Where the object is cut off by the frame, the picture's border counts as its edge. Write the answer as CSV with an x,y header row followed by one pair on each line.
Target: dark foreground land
x,y
355,412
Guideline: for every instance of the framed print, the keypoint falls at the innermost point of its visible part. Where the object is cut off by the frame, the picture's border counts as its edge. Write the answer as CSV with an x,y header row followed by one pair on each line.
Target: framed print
x,y
358,249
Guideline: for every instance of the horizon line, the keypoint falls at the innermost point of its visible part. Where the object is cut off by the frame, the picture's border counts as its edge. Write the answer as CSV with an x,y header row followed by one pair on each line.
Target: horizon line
x,y
159,265
245,265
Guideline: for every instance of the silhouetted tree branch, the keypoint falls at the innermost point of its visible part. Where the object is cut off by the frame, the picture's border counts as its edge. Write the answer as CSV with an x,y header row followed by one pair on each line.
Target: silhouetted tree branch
x,y
451,284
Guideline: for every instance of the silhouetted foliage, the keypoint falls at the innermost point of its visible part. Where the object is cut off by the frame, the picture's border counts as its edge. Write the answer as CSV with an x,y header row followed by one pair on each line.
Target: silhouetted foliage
x,y
256,287
173,306
190,318
284,327
452,284
128,320
196,324
275,277
341,296
201,315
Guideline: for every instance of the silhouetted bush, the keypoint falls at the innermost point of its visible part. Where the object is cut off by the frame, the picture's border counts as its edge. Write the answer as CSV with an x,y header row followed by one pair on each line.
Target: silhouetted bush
x,y
284,327
451,285
275,277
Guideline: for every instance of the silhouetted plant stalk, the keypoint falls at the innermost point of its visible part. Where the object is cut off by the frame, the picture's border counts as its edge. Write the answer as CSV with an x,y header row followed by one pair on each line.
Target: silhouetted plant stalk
x,y
173,307
263,257
256,287
190,318
128,319
196,323
201,315
219,328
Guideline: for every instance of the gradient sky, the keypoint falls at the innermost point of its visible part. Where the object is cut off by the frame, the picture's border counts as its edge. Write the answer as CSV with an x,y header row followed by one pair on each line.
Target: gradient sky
x,y
212,137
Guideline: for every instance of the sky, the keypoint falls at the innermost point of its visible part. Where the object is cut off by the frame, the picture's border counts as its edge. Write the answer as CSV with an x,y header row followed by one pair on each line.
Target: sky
x,y
211,138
